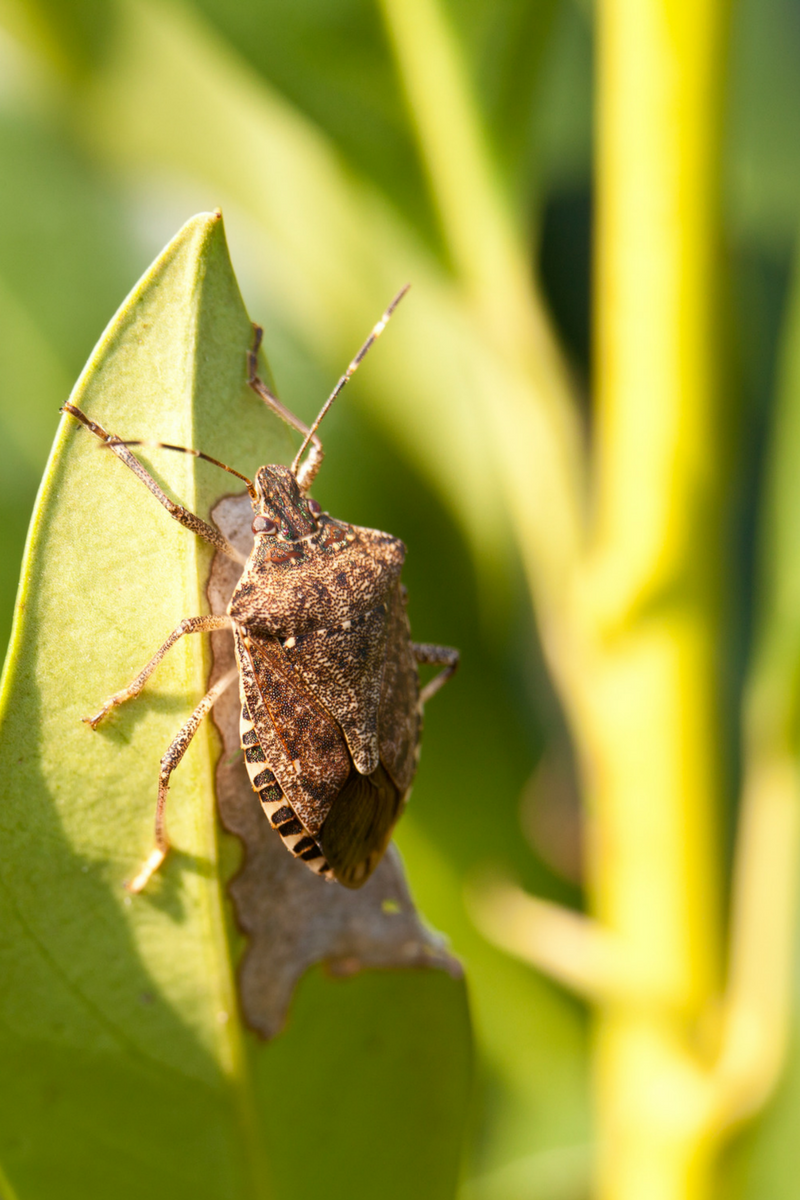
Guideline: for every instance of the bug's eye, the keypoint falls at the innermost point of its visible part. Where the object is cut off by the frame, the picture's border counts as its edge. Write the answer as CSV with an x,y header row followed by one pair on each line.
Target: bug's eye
x,y
263,525
315,507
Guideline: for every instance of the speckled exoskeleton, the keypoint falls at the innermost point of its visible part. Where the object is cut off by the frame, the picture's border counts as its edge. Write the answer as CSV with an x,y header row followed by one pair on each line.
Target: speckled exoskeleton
x,y
331,702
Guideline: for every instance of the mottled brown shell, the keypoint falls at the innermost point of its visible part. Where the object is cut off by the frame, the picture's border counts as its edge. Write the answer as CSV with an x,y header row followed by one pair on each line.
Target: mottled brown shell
x,y
330,720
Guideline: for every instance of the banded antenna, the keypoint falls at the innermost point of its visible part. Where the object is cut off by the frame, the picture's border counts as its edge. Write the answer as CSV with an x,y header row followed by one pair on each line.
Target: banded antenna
x,y
354,365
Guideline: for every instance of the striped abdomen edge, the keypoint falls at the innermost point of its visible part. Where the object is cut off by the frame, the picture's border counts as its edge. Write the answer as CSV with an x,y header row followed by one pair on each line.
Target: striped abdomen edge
x,y
282,816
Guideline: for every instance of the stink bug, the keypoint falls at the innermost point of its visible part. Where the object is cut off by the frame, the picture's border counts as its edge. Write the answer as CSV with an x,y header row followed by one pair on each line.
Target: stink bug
x,y
331,702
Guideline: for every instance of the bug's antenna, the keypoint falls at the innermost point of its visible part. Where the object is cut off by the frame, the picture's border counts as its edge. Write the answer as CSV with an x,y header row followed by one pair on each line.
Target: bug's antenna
x,y
109,440
373,337
186,450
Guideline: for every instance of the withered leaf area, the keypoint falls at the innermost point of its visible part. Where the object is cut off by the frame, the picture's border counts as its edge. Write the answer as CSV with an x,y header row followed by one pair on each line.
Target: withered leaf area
x,y
291,918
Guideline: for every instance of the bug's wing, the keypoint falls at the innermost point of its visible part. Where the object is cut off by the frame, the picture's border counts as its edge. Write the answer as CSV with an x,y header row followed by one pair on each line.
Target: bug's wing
x,y
398,716
302,743
359,825
343,667
357,829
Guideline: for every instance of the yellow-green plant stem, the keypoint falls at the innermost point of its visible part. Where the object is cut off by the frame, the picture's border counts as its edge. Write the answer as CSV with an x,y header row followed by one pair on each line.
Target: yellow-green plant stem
x,y
649,600
478,224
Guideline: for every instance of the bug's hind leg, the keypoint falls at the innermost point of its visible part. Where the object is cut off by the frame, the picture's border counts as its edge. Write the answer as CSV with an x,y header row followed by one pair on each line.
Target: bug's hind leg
x,y
188,625
169,762
446,656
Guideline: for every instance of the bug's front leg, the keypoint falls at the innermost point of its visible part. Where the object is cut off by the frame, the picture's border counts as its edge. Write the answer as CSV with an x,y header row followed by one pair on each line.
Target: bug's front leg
x,y
313,462
189,520
446,656
188,625
169,762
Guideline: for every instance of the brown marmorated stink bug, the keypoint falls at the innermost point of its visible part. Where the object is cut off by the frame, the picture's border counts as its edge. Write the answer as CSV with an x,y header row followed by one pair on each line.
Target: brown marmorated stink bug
x,y
331,702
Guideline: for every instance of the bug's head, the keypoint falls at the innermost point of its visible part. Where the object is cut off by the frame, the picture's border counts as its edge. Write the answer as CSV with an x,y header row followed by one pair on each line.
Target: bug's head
x,y
279,508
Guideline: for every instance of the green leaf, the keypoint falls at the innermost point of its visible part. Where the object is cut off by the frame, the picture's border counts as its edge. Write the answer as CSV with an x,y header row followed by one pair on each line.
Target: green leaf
x,y
126,1068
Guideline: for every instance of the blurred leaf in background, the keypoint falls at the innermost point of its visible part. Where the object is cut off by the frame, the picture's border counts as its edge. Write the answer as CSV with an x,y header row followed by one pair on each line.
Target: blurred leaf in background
x,y
67,259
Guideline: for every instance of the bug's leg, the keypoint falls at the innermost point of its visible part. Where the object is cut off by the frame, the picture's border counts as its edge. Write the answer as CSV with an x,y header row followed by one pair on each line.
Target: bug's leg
x,y
176,511
188,625
169,762
446,656
305,476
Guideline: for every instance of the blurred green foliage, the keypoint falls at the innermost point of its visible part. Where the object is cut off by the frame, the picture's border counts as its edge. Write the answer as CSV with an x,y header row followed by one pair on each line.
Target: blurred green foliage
x,y
81,215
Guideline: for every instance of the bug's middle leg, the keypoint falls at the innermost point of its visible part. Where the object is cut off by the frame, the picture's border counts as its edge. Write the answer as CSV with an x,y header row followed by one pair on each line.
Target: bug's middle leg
x,y
169,762
188,625
445,656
